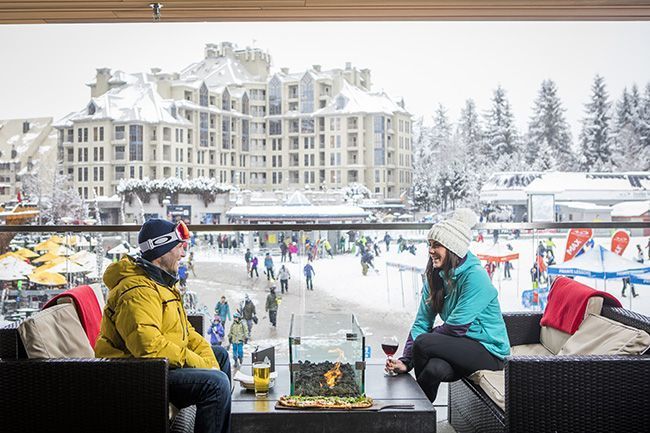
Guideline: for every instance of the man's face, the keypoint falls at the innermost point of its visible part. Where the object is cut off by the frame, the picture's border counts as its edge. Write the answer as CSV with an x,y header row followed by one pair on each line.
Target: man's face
x,y
169,262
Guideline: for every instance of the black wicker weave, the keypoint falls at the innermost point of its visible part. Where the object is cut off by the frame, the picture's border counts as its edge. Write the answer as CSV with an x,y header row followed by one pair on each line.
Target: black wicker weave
x,y
84,395
560,393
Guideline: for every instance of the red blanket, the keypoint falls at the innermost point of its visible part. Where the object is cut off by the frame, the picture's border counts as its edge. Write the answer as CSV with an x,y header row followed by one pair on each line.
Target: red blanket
x,y
567,302
87,306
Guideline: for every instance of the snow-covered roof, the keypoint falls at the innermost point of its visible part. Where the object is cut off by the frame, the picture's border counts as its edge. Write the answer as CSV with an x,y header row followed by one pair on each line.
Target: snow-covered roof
x,y
599,188
356,100
297,212
297,199
219,71
582,205
136,101
631,208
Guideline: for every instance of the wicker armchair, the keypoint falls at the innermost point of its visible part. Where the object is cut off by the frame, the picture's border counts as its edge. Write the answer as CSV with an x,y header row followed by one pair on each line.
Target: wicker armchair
x,y
559,393
85,395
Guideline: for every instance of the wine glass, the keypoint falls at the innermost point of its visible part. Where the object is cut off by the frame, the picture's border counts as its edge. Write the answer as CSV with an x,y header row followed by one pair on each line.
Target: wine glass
x,y
389,345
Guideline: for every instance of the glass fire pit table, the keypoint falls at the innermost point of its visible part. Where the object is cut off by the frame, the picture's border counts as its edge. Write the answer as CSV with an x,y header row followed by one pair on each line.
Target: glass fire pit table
x,y
252,414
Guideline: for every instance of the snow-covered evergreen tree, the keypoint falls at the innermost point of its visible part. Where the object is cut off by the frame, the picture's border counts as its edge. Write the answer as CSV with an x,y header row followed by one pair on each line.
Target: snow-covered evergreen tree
x,y
423,158
595,144
441,130
548,143
626,134
469,139
644,119
501,136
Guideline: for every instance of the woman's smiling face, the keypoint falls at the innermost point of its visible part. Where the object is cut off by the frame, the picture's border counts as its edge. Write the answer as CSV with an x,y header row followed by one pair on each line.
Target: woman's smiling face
x,y
438,253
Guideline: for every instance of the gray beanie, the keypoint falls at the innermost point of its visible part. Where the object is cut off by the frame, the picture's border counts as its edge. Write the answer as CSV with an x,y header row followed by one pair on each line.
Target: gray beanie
x,y
455,233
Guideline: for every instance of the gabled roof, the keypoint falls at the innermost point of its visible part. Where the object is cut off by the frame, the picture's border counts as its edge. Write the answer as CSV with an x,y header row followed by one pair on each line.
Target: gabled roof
x,y
356,100
136,101
219,71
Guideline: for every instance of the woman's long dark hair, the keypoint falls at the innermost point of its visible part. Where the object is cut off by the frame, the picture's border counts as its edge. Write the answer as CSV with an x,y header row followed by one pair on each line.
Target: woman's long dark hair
x,y
436,287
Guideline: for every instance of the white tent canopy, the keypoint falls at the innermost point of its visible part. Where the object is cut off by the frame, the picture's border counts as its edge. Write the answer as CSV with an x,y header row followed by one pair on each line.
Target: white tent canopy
x,y
12,269
599,263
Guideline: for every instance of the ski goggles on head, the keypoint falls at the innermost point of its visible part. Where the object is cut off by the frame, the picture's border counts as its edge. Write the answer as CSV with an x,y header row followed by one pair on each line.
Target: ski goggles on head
x,y
181,233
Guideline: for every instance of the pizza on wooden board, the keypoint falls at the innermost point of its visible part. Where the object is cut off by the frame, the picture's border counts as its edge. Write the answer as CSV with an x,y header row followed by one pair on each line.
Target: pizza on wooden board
x,y
300,401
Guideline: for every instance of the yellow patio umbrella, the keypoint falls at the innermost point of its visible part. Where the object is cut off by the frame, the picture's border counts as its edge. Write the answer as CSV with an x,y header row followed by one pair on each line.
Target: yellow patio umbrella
x,y
51,263
11,254
46,257
47,279
58,239
46,245
28,254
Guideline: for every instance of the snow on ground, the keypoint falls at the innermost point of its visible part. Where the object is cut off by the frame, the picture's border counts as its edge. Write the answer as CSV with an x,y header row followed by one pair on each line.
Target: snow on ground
x,y
392,290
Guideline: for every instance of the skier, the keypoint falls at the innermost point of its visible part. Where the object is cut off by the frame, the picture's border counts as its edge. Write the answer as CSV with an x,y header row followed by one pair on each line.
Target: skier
x,y
237,336
328,248
283,276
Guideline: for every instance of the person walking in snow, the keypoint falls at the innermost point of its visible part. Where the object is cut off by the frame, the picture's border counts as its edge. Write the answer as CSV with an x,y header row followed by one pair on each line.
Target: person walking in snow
x,y
237,336
375,247
387,240
254,263
639,254
309,272
222,309
272,302
249,258
248,313
216,331
284,275
268,264
283,252
627,283
328,248
293,250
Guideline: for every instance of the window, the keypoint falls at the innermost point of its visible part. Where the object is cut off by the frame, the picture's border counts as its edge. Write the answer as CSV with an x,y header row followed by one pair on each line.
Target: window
x,y
136,148
275,96
245,106
225,133
275,127
203,95
225,100
95,174
276,143
70,134
119,152
101,133
119,132
379,140
85,154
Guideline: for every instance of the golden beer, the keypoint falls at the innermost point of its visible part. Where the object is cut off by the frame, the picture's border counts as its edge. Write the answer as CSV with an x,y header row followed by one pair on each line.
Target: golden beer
x,y
261,378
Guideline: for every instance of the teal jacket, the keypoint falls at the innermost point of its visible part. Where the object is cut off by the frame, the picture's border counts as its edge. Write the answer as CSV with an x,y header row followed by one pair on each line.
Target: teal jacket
x,y
470,309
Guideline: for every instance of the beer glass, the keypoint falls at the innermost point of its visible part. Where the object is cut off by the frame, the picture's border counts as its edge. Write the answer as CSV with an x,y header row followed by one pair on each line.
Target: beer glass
x,y
261,378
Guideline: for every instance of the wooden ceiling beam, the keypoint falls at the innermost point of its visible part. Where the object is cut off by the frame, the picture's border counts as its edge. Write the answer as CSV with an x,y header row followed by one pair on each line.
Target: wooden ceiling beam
x,y
73,11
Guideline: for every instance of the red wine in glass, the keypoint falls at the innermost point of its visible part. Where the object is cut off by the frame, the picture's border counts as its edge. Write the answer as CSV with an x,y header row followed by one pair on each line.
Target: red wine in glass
x,y
389,349
389,345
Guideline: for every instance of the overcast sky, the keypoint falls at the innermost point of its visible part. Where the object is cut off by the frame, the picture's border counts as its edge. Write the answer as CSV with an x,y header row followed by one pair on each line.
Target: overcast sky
x,y
44,68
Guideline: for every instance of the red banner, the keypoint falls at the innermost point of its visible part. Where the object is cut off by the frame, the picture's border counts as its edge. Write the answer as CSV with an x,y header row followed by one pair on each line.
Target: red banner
x,y
620,240
575,241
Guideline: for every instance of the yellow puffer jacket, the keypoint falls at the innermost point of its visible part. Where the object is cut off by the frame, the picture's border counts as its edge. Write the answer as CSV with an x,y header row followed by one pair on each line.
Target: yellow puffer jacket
x,y
145,318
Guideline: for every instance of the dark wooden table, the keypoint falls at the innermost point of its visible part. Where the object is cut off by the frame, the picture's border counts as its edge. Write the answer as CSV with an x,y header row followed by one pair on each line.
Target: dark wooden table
x,y
251,414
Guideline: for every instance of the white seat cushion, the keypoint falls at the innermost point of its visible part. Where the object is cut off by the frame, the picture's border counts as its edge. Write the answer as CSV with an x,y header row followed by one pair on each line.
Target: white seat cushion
x,y
553,339
599,335
494,385
55,333
530,349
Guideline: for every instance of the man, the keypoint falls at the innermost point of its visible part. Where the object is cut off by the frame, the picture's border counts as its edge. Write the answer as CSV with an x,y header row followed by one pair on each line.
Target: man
x,y
268,264
284,275
272,306
387,239
309,272
222,309
144,318
249,314
249,258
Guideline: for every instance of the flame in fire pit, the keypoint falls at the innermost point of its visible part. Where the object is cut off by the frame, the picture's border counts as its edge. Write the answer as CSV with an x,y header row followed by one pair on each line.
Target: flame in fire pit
x,y
333,375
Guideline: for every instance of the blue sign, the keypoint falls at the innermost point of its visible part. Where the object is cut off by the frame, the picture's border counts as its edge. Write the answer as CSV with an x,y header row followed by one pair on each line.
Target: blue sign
x,y
368,352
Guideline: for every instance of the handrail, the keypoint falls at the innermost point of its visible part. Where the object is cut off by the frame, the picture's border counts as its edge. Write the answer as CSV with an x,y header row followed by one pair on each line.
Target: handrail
x,y
320,226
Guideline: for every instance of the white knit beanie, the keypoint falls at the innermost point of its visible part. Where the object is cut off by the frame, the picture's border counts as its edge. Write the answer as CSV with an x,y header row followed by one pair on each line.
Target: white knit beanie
x,y
455,233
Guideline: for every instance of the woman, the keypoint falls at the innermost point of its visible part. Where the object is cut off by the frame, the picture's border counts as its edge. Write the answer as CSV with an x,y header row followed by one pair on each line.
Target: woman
x,y
457,288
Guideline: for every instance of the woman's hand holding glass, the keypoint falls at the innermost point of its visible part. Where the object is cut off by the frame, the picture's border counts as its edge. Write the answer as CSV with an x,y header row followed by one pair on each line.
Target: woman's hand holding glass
x,y
396,366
